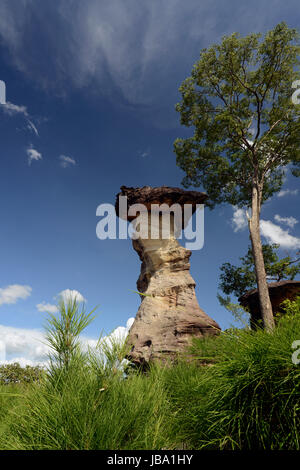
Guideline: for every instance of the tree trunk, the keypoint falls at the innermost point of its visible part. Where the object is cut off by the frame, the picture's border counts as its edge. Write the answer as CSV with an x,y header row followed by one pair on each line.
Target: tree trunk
x,y
261,278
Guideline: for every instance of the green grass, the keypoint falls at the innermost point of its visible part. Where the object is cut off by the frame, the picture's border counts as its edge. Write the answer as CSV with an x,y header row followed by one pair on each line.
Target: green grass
x,y
247,396
10,396
82,412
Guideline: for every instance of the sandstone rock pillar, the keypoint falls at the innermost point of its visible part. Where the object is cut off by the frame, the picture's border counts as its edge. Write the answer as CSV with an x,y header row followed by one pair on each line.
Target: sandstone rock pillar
x,y
169,314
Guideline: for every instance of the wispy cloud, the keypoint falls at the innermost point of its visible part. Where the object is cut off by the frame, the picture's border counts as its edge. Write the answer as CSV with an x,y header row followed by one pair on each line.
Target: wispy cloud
x,y
275,234
12,109
289,221
32,127
11,294
144,153
66,161
143,51
33,155
45,307
287,192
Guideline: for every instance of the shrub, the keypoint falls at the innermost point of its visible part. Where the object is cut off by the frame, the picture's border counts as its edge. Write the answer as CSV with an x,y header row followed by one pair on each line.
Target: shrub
x,y
14,373
291,309
82,413
241,391
85,402
248,398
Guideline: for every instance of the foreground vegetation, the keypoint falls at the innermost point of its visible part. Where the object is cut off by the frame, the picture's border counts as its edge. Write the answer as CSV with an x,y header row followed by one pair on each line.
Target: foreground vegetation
x,y
243,129
241,391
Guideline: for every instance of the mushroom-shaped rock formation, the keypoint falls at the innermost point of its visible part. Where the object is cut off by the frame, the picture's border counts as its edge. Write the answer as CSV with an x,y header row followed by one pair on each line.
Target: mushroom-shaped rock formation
x,y
279,291
169,313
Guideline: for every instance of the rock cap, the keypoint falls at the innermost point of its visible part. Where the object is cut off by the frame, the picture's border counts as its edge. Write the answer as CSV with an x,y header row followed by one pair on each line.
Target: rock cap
x,y
148,195
274,288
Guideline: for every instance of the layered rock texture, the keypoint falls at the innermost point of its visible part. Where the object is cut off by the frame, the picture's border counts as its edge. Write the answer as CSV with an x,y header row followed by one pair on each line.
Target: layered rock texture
x,y
279,291
169,314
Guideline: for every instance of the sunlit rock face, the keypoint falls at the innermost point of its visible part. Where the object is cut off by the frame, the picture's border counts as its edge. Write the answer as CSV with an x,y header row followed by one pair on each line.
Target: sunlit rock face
x,y
169,314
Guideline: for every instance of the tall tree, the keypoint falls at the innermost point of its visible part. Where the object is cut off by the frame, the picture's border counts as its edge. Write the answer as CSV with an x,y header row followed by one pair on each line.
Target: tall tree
x,y
238,279
246,127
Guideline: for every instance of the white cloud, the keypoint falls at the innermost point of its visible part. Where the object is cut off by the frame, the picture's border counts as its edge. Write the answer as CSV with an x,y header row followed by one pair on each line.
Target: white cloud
x,y
44,307
239,219
32,127
144,153
66,295
275,234
66,161
290,221
24,345
144,51
24,361
12,109
28,346
11,294
120,333
33,155
272,232
117,336
70,295
286,192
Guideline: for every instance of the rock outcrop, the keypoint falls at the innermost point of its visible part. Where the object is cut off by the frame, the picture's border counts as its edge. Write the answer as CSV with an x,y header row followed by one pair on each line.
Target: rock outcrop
x,y
278,291
169,314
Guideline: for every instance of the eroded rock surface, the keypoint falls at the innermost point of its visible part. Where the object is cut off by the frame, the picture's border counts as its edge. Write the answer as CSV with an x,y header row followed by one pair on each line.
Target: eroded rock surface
x,y
169,314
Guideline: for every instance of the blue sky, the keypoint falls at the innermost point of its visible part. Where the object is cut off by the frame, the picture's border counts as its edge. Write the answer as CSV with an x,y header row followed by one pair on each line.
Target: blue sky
x,y
97,82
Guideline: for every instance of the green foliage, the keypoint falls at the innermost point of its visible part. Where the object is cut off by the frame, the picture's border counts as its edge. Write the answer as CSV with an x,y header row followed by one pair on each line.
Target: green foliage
x,y
87,412
63,333
291,309
107,359
238,279
239,390
85,402
11,395
248,398
246,128
240,314
15,374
